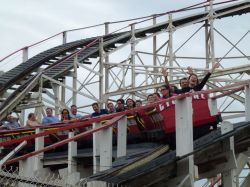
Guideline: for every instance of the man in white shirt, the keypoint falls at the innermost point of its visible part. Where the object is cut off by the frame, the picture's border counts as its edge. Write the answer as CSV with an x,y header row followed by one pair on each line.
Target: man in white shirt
x,y
11,123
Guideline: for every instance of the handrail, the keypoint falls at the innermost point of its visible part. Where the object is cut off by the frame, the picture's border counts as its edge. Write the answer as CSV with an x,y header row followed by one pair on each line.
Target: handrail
x,y
60,143
86,123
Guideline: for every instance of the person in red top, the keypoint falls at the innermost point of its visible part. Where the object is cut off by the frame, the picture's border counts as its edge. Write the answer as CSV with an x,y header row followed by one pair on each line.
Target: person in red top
x,y
150,99
165,91
130,103
157,96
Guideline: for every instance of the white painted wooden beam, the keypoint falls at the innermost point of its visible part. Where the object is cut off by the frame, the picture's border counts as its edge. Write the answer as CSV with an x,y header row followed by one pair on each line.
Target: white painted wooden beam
x,y
122,137
12,153
96,149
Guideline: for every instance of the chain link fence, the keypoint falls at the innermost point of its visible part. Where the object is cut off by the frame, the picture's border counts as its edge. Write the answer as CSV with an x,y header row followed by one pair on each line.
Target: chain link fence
x,y
13,176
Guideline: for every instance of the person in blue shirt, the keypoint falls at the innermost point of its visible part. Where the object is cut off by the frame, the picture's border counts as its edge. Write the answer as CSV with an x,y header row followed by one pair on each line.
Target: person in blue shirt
x,y
12,123
50,118
73,112
97,110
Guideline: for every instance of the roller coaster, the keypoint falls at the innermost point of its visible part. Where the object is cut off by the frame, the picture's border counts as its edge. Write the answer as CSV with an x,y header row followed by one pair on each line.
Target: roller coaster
x,y
71,73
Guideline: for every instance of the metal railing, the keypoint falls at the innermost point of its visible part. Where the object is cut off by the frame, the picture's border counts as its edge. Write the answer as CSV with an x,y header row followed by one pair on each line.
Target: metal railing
x,y
12,176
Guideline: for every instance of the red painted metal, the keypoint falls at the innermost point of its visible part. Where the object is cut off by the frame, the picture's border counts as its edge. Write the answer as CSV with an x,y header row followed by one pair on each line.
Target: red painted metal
x,y
58,144
142,110
213,183
163,116
67,126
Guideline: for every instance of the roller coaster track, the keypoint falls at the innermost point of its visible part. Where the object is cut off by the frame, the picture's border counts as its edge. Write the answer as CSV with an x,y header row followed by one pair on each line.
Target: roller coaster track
x,y
208,152
59,60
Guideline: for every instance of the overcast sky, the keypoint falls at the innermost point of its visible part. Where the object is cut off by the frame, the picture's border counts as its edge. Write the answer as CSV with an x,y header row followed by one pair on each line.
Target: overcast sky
x,y
24,22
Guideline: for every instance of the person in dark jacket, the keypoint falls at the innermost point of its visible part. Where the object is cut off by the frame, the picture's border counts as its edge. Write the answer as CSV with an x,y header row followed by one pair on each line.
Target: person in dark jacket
x,y
194,84
97,110
120,105
193,81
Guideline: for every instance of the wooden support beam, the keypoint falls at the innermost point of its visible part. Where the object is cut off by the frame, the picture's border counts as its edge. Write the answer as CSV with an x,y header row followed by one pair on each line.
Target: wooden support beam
x,y
106,148
39,144
12,153
229,176
96,149
184,143
72,175
122,137
72,152
247,102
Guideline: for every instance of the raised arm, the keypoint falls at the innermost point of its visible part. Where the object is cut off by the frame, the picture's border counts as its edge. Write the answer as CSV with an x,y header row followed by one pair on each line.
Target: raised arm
x,y
164,72
215,66
205,79
190,70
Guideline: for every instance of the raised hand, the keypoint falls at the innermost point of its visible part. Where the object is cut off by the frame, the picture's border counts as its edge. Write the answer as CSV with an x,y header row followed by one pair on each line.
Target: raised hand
x,y
164,72
216,65
190,70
